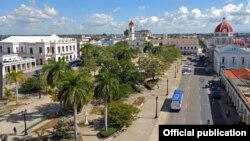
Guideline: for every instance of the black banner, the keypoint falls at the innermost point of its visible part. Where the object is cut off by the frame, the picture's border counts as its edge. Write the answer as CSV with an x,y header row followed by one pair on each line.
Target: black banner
x,y
200,132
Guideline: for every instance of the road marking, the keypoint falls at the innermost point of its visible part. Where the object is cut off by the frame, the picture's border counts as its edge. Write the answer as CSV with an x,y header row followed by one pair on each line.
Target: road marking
x,y
184,121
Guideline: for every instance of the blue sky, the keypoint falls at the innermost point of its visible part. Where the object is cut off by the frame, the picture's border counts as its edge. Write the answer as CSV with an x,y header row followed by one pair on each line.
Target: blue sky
x,y
113,16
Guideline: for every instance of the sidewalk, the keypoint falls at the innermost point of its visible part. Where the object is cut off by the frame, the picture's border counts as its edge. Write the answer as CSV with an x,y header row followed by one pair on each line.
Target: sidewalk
x,y
142,128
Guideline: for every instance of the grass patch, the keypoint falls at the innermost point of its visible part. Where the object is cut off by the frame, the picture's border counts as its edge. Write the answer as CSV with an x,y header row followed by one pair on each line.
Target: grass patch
x,y
139,101
36,123
5,113
150,84
48,125
110,131
96,110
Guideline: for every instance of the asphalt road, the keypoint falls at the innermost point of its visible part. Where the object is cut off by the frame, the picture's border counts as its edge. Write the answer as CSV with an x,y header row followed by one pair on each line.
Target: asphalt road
x,y
198,106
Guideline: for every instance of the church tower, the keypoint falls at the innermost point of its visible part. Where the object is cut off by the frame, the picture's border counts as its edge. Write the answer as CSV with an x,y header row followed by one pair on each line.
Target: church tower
x,y
131,30
223,33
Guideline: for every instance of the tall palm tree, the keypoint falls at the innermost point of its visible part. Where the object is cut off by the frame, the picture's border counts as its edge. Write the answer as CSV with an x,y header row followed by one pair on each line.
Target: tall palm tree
x,y
55,72
15,77
107,85
75,92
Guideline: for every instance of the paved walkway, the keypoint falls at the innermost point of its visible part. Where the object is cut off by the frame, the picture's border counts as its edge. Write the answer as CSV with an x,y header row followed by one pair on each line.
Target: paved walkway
x,y
36,109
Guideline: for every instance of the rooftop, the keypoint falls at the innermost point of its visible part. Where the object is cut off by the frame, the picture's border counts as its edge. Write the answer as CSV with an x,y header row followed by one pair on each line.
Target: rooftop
x,y
241,79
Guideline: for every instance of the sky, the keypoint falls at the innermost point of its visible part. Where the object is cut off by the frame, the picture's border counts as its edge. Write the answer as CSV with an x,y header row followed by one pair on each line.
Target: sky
x,y
113,16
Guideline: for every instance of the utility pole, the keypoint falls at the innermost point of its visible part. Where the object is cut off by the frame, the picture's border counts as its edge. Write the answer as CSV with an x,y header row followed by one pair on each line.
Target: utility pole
x,y
1,79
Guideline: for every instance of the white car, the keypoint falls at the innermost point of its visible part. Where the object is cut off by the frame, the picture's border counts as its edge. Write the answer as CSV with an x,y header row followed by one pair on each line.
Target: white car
x,y
186,73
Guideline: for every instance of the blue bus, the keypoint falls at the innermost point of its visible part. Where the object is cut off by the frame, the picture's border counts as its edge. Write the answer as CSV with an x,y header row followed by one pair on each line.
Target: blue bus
x,y
177,100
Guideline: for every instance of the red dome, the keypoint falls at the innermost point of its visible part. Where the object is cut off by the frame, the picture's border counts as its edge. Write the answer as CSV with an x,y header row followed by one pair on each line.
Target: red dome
x,y
131,23
223,27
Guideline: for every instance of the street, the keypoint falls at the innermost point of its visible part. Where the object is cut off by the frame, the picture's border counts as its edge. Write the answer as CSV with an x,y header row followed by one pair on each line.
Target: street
x,y
198,106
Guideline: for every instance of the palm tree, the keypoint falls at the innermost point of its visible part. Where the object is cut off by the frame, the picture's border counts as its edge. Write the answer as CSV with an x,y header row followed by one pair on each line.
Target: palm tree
x,y
16,77
107,85
55,72
75,91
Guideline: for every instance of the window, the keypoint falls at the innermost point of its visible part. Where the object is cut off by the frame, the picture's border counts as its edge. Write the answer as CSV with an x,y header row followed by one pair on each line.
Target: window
x,y
17,50
70,48
31,50
47,49
21,48
233,59
52,50
192,47
62,48
242,60
8,50
188,47
181,48
58,48
67,48
223,60
73,47
184,47
40,50
1,49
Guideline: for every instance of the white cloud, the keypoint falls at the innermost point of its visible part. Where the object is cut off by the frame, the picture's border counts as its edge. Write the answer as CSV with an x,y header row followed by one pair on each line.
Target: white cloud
x,y
116,9
99,19
63,21
183,10
141,7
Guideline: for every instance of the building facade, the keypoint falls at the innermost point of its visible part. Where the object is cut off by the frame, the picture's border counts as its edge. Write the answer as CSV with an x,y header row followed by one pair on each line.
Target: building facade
x,y
236,82
40,48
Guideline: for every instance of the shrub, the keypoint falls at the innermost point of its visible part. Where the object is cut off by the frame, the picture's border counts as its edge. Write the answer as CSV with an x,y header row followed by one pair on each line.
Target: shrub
x,y
121,114
110,131
124,91
31,84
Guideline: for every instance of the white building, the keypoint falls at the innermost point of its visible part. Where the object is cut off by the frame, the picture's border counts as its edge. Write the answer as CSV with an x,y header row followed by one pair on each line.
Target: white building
x,y
236,83
186,44
226,53
13,62
230,57
41,48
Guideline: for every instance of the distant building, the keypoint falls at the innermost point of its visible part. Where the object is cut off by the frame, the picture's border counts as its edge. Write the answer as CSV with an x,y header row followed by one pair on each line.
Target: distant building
x,y
186,44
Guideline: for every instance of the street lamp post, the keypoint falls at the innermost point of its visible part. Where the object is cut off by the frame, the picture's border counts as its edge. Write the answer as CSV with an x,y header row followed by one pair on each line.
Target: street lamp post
x,y
177,66
175,72
24,118
167,86
156,114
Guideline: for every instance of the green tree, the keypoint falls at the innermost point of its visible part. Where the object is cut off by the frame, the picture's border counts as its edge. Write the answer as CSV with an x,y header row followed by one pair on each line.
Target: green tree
x,y
148,47
30,84
151,66
126,33
74,91
121,114
62,128
15,77
87,58
107,86
55,72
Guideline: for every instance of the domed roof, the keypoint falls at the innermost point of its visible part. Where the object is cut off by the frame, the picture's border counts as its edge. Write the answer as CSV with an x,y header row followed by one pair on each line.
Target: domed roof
x,y
131,23
223,27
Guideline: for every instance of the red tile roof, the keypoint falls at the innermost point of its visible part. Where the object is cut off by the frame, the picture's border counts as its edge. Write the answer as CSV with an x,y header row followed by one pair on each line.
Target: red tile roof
x,y
238,73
